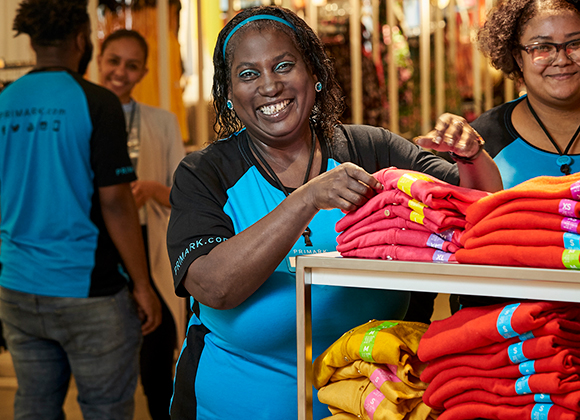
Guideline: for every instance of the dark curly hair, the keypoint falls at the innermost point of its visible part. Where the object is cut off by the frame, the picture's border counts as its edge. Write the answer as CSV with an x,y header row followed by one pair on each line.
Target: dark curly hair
x,y
50,22
329,102
500,35
126,33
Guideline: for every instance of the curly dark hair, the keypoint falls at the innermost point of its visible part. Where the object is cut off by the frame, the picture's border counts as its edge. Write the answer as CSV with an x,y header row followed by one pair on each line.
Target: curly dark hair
x,y
50,22
126,33
500,35
329,102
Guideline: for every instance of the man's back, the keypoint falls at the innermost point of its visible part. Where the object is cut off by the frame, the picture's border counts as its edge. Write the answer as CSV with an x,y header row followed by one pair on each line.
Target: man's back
x,y
57,146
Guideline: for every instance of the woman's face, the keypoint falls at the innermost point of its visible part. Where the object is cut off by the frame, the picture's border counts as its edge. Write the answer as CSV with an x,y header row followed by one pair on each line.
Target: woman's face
x,y
559,82
121,67
272,88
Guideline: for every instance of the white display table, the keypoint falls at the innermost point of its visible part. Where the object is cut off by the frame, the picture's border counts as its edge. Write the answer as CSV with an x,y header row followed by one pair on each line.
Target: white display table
x,y
333,270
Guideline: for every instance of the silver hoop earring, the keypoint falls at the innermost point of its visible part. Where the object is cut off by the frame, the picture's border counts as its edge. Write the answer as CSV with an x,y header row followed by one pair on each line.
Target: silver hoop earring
x,y
230,104
318,86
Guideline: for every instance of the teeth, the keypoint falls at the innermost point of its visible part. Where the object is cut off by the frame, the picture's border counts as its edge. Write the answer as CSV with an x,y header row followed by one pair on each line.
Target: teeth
x,y
274,109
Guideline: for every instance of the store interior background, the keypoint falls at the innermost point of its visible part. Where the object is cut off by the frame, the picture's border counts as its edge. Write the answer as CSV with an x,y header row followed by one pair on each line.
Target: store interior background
x,y
401,64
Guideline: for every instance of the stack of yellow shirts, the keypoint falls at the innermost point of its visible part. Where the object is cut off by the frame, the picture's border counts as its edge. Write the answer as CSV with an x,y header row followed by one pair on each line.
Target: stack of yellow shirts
x,y
372,372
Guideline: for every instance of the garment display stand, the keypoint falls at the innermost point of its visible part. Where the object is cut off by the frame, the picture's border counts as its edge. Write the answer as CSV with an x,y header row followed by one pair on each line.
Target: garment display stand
x,y
332,270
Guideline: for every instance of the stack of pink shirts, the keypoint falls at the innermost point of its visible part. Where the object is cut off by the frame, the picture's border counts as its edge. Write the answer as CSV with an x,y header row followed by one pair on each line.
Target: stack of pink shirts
x,y
416,217
504,362
535,223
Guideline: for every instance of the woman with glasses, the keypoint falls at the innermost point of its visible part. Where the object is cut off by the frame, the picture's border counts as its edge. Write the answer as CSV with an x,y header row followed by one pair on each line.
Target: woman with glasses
x,y
536,42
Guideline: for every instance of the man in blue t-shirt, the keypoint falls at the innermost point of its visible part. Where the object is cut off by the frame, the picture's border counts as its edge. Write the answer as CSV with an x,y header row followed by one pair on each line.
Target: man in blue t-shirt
x,y
68,221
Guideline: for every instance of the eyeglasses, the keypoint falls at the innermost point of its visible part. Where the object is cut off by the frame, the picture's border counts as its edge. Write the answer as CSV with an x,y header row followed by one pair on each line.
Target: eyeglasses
x,y
545,53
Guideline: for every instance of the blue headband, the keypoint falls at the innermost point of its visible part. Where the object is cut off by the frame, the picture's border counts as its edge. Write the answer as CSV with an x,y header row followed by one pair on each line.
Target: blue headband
x,y
252,18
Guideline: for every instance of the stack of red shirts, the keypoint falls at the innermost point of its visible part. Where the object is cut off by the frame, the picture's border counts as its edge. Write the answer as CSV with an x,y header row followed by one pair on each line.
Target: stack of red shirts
x,y
516,361
535,223
416,217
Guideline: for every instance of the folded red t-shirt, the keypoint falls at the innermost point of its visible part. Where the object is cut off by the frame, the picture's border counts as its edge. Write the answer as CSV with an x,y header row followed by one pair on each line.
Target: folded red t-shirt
x,y
522,220
391,197
401,253
555,257
571,400
475,327
525,237
476,410
545,354
562,207
541,383
397,236
429,190
541,187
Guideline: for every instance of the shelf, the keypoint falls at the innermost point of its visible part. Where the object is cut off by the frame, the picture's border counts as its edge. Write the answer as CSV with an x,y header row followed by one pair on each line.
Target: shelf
x,y
333,270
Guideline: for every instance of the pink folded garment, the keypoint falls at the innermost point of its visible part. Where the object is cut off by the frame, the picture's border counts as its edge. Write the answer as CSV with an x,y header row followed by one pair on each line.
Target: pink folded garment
x,y
546,354
563,207
430,191
525,237
541,383
388,198
397,236
472,328
570,400
521,220
551,257
401,253
476,410
542,187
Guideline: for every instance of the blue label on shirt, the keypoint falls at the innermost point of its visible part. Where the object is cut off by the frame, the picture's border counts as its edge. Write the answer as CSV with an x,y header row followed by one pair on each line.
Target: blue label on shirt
x,y
526,336
516,353
540,411
504,321
571,240
523,386
542,398
527,368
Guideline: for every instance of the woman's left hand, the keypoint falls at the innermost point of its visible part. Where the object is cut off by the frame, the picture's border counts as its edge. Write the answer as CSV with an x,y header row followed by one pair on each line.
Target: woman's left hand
x,y
452,134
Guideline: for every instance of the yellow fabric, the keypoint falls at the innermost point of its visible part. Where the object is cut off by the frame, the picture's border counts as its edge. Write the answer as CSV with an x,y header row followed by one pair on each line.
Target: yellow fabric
x,y
144,21
396,345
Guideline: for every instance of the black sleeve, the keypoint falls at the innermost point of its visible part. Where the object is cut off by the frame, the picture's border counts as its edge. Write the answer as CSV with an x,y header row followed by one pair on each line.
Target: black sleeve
x,y
109,157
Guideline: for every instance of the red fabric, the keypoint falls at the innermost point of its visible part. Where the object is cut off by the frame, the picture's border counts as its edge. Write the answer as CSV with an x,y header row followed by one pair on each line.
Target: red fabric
x,y
397,237
570,400
520,256
475,410
401,253
542,187
562,207
378,222
519,237
541,383
471,328
521,220
388,198
434,193
565,360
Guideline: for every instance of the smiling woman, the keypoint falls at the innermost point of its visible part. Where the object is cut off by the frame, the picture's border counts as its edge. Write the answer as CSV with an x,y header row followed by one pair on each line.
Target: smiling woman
x,y
275,185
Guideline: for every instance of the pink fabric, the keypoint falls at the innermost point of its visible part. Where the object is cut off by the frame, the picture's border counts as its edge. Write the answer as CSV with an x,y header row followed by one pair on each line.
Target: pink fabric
x,y
553,359
542,187
521,256
471,328
378,222
475,410
401,253
541,383
396,236
570,400
434,193
524,237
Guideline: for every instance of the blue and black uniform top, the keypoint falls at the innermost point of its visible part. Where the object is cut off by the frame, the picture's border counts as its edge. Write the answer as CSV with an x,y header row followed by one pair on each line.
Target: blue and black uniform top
x,y
61,139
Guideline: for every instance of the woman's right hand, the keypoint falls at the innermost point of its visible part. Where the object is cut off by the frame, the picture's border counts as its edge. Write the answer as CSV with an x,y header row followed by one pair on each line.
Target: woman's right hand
x,y
346,187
